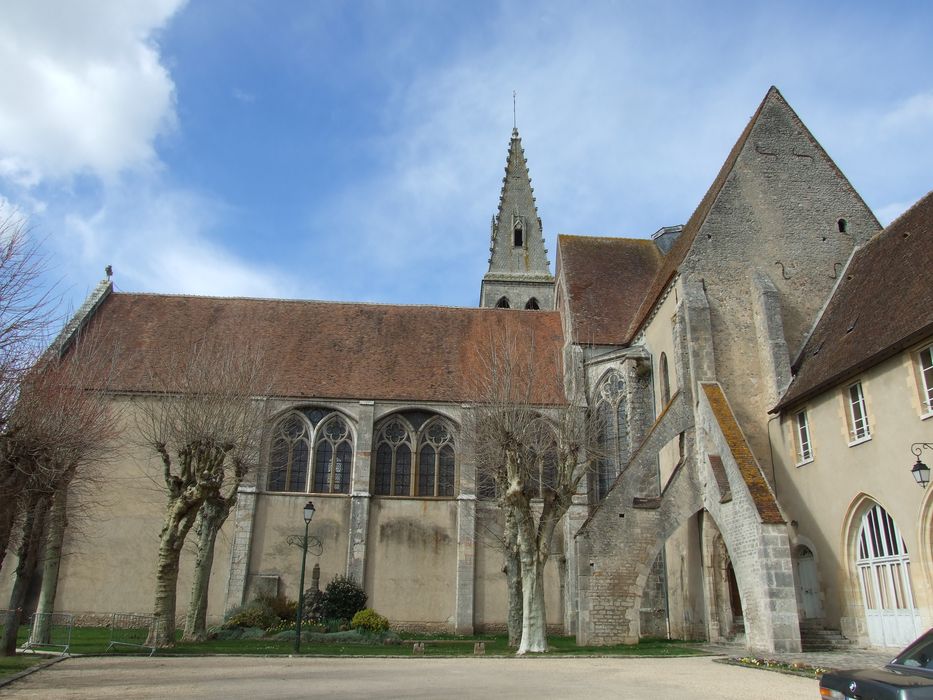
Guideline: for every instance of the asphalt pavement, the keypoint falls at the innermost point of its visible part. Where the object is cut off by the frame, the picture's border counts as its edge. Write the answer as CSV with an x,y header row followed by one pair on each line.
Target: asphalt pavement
x,y
129,678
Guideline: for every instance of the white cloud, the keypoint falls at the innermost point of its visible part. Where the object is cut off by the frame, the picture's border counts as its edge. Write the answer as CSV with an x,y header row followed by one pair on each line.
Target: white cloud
x,y
85,92
161,240
84,89
601,152
915,111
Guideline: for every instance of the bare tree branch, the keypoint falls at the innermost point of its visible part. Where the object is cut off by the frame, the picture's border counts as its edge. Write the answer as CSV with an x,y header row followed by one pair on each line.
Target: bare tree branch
x,y
205,424
529,452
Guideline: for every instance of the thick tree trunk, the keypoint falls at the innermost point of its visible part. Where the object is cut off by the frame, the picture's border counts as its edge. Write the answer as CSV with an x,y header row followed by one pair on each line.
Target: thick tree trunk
x,y
179,519
51,564
534,613
210,519
7,518
513,575
28,554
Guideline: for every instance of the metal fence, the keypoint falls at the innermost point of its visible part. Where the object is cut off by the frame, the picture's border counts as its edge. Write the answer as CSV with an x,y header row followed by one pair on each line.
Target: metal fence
x,y
50,631
130,630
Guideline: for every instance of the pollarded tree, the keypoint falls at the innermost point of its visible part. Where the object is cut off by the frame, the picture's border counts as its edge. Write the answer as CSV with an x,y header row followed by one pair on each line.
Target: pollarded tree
x,y
25,318
61,427
205,426
211,517
529,451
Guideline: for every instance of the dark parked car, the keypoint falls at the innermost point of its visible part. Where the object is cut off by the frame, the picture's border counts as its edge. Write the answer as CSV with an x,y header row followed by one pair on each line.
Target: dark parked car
x,y
908,677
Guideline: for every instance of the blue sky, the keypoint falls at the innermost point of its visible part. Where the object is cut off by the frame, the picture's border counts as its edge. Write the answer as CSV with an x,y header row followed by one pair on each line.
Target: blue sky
x,y
354,150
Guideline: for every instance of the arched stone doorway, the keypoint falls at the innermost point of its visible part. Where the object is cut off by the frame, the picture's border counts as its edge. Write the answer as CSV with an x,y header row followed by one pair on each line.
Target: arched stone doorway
x,y
808,584
725,600
735,602
883,571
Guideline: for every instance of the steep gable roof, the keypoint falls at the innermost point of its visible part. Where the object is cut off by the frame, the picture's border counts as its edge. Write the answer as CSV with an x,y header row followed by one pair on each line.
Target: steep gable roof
x,y
883,304
329,350
605,281
678,252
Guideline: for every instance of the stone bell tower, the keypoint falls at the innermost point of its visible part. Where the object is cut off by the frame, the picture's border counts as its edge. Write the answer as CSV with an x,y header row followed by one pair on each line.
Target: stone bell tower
x,y
519,275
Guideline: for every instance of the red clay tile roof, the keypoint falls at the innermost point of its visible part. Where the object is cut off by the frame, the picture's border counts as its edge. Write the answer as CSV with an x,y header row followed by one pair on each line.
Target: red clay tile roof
x,y
678,252
764,500
606,280
883,304
335,350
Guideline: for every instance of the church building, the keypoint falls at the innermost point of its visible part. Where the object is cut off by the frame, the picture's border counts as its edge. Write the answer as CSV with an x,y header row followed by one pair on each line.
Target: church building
x,y
762,372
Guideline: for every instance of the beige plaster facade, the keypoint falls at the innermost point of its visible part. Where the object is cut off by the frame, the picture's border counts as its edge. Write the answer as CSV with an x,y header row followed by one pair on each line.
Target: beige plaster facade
x,y
826,496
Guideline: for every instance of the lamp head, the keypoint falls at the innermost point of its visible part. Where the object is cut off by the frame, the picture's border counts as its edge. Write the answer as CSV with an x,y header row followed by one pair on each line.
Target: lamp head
x,y
921,473
309,511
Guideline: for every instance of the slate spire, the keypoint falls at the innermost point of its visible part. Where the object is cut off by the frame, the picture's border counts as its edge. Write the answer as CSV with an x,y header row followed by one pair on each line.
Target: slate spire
x,y
519,271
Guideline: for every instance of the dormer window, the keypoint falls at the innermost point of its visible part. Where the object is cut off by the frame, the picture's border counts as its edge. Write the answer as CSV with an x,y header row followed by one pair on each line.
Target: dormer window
x,y
518,238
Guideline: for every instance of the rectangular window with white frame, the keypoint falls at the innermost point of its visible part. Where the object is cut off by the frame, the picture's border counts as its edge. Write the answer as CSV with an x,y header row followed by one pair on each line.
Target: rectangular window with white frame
x,y
926,380
858,415
804,446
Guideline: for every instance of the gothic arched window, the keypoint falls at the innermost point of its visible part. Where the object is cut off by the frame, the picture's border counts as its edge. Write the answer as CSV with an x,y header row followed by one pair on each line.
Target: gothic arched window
x,y
393,460
293,467
612,435
333,457
545,478
503,303
291,447
436,463
532,304
419,463
665,380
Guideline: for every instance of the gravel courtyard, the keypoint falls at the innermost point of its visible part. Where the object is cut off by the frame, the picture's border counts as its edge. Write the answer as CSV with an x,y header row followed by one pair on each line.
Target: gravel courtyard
x,y
260,677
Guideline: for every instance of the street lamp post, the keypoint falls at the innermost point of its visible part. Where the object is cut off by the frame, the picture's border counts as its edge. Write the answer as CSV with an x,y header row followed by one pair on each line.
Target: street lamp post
x,y
308,513
920,471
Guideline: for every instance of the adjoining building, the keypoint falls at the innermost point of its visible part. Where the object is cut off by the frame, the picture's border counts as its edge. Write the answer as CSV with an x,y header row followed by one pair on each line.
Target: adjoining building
x,y
734,359
861,397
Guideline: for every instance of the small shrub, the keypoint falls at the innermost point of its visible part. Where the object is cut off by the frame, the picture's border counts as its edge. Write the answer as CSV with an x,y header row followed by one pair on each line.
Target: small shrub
x,y
280,606
342,599
256,613
370,621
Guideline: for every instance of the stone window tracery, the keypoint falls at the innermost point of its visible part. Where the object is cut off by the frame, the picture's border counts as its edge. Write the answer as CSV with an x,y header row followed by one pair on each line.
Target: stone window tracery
x,y
434,471
545,478
293,467
613,431
393,460
291,445
333,457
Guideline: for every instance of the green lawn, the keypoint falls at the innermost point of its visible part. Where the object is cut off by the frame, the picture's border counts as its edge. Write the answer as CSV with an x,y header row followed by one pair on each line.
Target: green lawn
x,y
14,664
94,640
